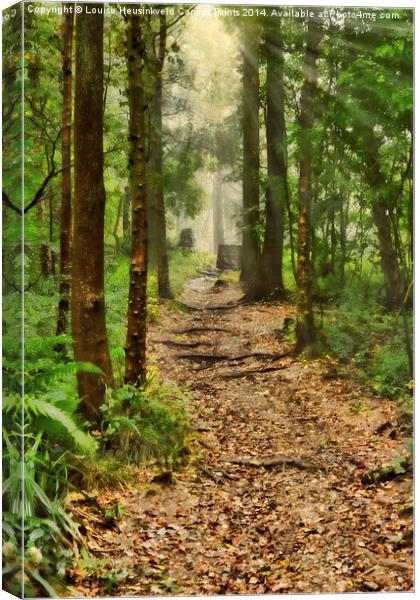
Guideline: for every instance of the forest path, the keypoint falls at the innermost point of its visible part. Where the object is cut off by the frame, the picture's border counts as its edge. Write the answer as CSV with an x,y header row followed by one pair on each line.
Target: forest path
x,y
238,520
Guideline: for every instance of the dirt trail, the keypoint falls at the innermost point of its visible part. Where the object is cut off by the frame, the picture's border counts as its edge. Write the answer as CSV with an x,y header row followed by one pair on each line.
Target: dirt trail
x,y
275,503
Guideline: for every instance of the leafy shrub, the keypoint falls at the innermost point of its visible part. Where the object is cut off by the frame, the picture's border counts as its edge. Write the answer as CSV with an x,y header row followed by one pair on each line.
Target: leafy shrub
x,y
35,458
390,369
145,424
47,554
374,342
345,330
99,472
50,535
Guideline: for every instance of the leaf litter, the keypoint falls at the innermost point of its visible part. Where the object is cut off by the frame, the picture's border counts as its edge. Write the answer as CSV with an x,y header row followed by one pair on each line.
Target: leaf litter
x,y
273,501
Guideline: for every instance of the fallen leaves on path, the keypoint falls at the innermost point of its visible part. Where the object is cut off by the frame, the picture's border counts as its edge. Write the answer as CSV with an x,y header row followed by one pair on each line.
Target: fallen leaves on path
x,y
274,503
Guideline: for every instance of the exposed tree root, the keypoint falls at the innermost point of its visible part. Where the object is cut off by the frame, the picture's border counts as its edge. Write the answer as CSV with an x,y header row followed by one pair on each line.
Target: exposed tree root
x,y
173,344
217,308
198,330
223,357
389,563
248,372
218,476
270,461
204,357
209,271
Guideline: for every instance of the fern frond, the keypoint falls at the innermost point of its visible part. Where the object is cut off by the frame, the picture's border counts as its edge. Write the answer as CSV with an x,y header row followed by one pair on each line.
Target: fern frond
x,y
47,372
39,346
84,442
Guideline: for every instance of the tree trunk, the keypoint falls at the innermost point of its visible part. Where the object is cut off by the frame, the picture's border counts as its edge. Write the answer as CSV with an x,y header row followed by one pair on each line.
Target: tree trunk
x,y
88,302
333,235
159,245
218,224
151,196
251,153
135,347
159,201
272,257
389,262
125,246
117,224
382,221
344,218
126,212
53,254
305,325
65,211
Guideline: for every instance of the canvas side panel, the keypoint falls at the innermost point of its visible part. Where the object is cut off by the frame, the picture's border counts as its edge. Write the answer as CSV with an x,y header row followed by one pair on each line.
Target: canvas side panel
x,y
12,299
43,81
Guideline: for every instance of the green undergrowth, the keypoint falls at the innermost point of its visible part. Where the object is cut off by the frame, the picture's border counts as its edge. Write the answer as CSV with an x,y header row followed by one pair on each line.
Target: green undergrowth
x,y
61,453
359,332
231,276
183,265
101,569
150,424
288,276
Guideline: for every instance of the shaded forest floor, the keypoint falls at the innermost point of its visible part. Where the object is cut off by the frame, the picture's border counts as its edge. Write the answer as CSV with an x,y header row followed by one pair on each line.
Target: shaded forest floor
x,y
272,501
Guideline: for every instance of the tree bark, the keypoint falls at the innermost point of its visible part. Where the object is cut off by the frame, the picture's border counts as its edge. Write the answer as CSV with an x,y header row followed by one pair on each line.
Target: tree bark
x,y
126,212
218,223
53,254
305,326
135,347
271,275
251,153
150,193
389,261
126,223
117,224
159,245
88,301
344,218
65,210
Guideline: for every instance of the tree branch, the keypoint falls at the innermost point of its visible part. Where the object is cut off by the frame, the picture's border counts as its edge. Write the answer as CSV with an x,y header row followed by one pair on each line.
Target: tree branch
x,y
8,202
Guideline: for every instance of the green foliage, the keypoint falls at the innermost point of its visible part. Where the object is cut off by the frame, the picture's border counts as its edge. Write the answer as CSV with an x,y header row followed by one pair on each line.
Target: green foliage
x,y
183,195
36,452
50,534
345,330
141,425
390,369
101,568
152,297
100,472
360,332
52,416
47,436
398,466
185,266
47,555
